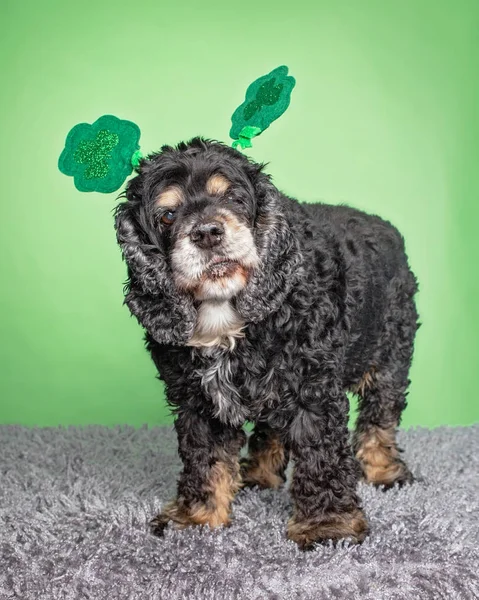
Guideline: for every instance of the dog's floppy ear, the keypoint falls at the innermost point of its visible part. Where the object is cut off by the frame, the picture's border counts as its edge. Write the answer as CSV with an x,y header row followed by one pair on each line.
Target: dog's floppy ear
x,y
168,316
280,258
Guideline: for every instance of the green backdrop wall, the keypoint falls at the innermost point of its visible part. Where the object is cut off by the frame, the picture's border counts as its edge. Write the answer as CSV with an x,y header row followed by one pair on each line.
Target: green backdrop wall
x,y
384,117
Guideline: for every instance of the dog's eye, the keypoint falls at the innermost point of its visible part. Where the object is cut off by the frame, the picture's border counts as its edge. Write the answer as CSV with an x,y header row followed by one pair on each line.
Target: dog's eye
x,y
168,217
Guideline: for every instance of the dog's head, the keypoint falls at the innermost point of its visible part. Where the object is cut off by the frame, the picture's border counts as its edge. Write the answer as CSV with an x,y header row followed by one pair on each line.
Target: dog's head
x,y
202,222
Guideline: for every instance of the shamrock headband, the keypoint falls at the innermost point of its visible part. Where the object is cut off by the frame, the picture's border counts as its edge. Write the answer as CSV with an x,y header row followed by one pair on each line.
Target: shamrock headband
x,y
102,155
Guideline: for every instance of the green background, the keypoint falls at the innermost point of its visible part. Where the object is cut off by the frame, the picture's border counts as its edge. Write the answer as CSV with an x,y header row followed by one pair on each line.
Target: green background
x,y
384,117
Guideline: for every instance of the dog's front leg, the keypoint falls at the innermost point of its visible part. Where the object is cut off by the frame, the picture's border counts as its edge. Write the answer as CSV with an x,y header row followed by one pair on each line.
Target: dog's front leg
x,y
211,473
326,506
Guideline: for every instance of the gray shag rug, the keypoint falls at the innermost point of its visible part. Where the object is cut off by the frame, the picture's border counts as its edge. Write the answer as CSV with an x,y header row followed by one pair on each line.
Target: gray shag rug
x,y
75,503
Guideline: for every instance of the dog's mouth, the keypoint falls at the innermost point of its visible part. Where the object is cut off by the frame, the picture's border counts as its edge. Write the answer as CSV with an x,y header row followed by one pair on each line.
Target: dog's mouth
x,y
221,267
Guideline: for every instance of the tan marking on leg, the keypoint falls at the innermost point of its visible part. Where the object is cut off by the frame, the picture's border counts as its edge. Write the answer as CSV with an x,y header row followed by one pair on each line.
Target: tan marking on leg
x,y
329,526
379,456
262,467
366,382
222,486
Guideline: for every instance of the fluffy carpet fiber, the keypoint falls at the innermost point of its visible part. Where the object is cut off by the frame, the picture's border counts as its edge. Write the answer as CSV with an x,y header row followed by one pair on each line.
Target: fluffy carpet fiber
x,y
74,504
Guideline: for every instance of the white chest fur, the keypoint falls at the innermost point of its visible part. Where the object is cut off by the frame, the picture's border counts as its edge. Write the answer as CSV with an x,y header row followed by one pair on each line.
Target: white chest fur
x,y
218,324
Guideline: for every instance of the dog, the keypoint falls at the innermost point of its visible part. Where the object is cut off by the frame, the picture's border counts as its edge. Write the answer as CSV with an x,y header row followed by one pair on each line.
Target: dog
x,y
263,309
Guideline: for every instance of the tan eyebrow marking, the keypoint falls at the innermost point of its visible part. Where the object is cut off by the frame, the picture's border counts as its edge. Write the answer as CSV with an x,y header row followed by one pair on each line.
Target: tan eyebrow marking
x,y
171,197
217,185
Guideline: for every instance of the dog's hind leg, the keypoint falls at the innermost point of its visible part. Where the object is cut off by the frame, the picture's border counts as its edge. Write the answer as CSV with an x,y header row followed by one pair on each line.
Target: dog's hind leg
x,y
267,459
382,391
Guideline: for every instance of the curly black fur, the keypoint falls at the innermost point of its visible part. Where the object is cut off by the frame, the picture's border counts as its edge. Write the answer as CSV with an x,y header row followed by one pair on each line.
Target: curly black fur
x,y
330,308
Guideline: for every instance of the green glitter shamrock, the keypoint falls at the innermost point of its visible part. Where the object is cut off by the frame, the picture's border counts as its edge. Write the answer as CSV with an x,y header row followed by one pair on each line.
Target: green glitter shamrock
x,y
266,99
100,156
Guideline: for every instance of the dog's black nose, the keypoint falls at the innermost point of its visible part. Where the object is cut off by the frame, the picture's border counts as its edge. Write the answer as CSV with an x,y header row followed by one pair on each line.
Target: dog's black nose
x,y
207,235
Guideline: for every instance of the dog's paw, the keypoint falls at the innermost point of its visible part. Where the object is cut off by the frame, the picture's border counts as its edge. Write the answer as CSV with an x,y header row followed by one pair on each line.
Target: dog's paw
x,y
380,458
388,475
333,526
159,524
254,474
181,517
171,513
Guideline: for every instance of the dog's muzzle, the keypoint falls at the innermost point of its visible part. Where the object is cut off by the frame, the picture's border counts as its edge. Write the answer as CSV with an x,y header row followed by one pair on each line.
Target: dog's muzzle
x,y
214,256
208,235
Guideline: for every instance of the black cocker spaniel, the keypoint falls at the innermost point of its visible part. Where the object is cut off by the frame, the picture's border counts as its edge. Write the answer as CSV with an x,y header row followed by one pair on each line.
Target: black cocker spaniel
x,y
259,308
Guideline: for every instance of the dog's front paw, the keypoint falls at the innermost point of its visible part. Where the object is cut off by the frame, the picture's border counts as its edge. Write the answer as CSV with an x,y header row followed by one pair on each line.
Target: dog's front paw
x,y
171,513
181,516
332,526
159,523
